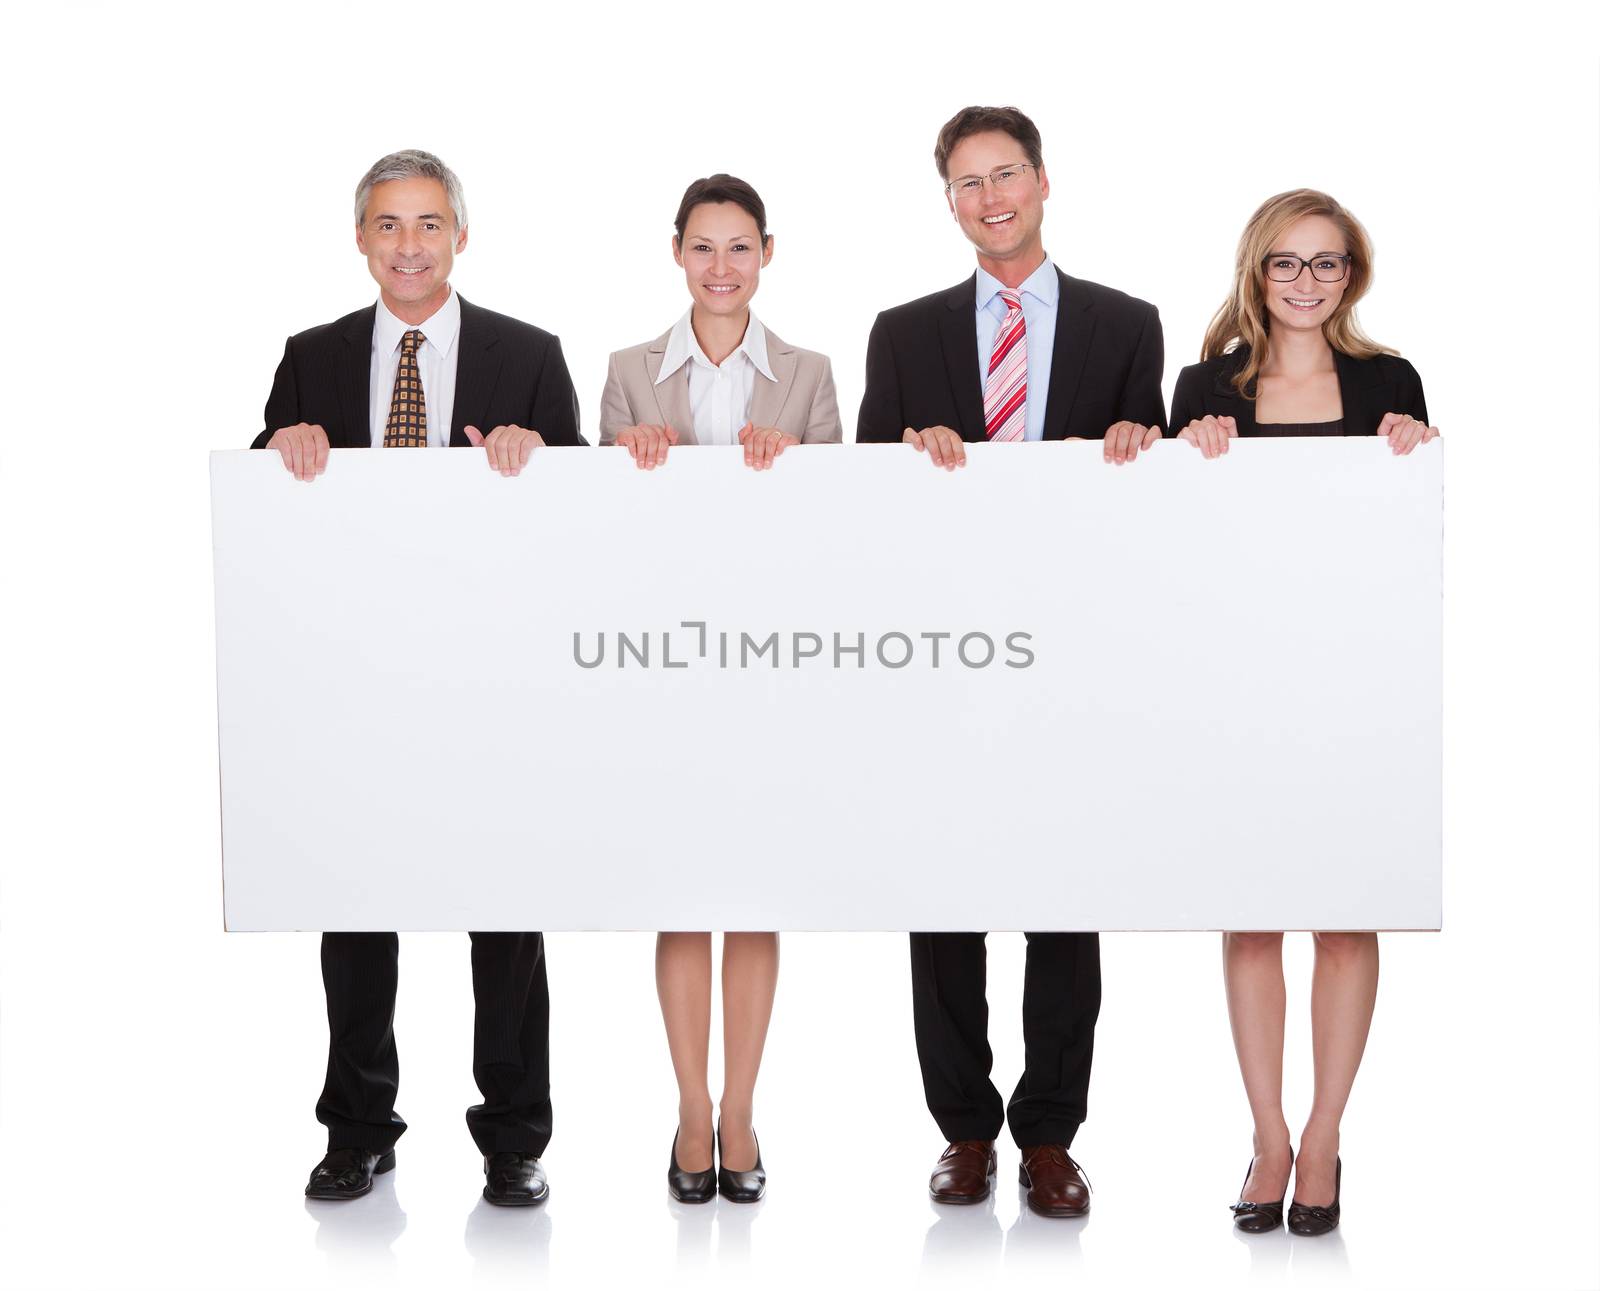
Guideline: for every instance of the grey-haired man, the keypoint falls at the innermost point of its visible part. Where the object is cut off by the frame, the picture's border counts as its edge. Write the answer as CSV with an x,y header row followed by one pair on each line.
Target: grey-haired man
x,y
422,368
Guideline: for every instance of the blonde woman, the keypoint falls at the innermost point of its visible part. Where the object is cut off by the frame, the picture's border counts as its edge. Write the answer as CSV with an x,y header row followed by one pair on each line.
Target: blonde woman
x,y
718,377
1286,356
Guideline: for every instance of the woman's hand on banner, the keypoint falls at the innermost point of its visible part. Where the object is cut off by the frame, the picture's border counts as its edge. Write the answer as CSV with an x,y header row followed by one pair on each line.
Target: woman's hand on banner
x,y
647,444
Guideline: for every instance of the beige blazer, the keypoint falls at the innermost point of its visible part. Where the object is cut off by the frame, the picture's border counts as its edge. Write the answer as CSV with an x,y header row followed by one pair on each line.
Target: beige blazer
x,y
801,402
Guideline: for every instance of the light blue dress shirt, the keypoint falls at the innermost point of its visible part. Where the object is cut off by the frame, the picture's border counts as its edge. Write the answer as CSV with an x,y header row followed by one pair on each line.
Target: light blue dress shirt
x,y
1040,291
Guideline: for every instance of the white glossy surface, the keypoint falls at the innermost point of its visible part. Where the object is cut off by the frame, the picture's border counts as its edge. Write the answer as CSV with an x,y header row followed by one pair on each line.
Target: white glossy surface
x,y
200,1155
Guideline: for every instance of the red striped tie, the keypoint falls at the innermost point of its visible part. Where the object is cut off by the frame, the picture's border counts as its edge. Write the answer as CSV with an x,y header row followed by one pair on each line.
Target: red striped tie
x,y
1005,390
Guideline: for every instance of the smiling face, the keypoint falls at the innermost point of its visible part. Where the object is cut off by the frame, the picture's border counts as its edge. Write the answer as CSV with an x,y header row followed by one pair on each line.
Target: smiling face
x,y
410,240
1305,304
722,256
1003,224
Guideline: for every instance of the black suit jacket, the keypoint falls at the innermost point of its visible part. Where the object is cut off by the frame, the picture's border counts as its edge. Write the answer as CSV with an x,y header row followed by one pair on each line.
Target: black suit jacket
x,y
922,365
507,373
1368,388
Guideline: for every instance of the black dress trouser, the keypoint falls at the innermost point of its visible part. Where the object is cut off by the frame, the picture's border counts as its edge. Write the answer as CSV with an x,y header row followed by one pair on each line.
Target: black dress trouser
x,y
510,1042
1060,1003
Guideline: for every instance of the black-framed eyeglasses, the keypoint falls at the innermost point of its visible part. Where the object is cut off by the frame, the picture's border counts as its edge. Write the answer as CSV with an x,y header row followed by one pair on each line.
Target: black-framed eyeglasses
x,y
1280,266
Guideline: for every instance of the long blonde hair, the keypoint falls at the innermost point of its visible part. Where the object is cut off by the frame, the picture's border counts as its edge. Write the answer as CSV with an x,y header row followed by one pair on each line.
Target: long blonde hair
x,y
1243,318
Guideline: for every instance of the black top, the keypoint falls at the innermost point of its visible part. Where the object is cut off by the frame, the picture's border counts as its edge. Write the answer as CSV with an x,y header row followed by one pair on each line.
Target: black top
x,y
508,373
1368,388
922,365
1285,429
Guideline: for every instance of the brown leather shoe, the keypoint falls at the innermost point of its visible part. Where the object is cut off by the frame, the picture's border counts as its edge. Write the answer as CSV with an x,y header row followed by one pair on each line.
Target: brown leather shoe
x,y
1056,1186
965,1173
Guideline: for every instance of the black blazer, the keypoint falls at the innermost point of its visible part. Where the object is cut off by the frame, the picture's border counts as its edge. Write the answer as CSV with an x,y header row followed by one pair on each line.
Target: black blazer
x,y
507,373
922,365
1368,388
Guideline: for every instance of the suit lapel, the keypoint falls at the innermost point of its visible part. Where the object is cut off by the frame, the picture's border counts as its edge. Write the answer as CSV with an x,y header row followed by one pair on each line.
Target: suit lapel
x,y
672,395
958,338
768,397
355,377
477,370
1225,401
1069,352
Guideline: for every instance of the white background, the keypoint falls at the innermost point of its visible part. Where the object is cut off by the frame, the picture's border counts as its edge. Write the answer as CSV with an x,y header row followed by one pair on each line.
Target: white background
x,y
178,191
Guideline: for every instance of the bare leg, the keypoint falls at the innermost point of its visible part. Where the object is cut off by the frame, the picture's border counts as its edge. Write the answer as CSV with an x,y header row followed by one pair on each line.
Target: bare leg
x,y
1344,988
683,981
749,981
1252,971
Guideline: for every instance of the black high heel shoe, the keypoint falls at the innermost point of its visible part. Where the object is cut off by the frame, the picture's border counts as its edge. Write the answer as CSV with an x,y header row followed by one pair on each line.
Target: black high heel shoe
x,y
1258,1216
691,1186
1314,1221
740,1185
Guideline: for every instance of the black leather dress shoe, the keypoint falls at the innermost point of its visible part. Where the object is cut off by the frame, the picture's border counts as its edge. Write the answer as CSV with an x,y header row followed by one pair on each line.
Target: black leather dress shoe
x,y
691,1186
1314,1221
347,1172
741,1185
514,1179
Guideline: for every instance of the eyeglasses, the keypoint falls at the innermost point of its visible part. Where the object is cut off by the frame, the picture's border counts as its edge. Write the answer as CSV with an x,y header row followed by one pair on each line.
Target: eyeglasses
x,y
1002,177
1325,267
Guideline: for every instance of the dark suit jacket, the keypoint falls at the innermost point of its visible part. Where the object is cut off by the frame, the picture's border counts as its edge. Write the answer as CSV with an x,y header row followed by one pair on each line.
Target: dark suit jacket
x,y
922,365
1368,388
507,373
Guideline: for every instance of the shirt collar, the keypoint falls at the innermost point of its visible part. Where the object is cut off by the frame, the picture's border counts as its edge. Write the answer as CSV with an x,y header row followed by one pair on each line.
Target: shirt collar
x,y
682,347
441,327
1042,284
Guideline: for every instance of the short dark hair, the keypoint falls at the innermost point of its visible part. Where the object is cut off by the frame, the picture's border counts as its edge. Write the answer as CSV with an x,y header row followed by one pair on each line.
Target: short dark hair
x,y
971,121
722,188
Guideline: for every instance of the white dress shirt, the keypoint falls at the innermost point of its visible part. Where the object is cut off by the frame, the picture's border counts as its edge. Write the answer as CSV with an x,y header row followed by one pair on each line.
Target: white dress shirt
x,y
436,365
719,396
1040,292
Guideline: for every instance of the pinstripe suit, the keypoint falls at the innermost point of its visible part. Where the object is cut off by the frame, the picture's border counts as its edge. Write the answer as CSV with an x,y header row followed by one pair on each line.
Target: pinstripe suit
x,y
507,373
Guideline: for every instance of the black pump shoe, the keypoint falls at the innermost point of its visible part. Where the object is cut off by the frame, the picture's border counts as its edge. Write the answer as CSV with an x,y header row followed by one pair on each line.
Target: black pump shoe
x,y
741,1185
1314,1221
1258,1216
690,1186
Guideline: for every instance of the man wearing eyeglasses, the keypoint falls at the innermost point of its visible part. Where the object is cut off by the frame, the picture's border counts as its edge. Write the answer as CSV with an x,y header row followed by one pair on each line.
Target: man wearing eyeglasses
x,y
1020,351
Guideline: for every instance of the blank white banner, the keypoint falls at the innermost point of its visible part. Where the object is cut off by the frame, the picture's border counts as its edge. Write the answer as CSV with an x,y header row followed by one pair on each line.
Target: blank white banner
x,y
852,692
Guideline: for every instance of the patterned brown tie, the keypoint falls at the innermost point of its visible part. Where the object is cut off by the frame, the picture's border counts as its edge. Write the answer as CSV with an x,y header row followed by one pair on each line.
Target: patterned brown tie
x,y
408,411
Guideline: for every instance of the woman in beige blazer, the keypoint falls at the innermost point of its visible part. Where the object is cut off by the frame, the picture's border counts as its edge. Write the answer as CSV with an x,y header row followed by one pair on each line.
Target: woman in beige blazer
x,y
718,377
